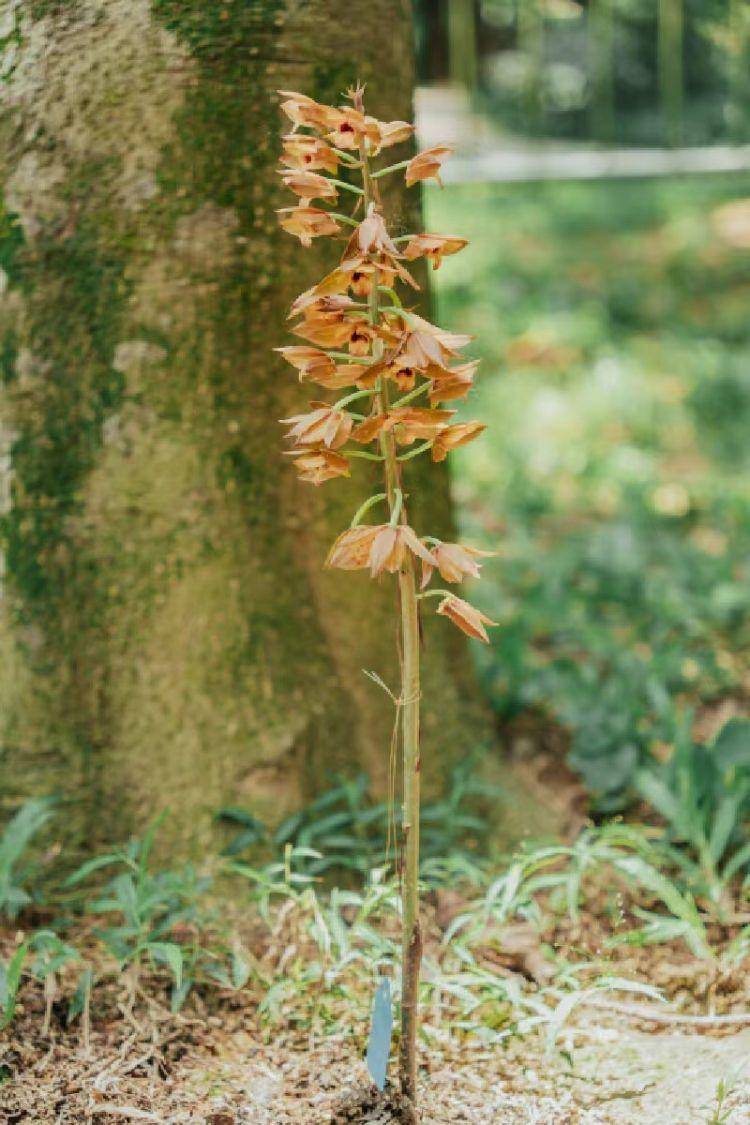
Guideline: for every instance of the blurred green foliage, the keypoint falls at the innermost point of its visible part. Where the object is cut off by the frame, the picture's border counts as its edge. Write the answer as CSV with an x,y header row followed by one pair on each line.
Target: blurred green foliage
x,y
626,71
615,474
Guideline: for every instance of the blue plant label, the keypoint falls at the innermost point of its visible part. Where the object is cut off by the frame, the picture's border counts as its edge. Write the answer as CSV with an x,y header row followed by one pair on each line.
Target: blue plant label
x,y
381,1026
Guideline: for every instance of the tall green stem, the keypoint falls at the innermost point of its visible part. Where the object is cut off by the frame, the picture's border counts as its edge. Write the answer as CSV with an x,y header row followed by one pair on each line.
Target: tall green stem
x,y
410,715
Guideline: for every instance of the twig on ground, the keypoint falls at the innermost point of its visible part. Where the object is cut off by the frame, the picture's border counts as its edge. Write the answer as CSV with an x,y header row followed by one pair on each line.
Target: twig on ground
x,y
644,1012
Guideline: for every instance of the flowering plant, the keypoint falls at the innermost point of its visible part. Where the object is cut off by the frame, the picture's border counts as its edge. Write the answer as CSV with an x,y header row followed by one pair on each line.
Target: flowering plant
x,y
360,337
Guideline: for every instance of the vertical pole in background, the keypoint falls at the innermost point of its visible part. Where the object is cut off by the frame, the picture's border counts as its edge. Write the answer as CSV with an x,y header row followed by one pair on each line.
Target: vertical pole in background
x,y
601,69
530,25
670,41
462,44
739,88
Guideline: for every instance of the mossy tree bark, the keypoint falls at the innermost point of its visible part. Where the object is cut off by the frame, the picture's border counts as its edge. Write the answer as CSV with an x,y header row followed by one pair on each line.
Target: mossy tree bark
x,y
168,636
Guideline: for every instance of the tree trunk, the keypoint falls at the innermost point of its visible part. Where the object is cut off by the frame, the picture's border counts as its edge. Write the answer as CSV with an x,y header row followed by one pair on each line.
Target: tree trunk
x,y
168,636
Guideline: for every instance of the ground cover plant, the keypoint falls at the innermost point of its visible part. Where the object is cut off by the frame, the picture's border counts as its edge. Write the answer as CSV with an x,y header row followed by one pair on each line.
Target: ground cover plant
x,y
528,953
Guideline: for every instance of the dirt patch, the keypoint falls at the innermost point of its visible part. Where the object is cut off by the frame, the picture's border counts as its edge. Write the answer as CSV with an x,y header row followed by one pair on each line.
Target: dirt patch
x,y
224,1070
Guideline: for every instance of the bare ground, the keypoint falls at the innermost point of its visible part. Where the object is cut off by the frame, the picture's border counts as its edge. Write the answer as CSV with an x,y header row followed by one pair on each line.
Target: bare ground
x,y
219,1070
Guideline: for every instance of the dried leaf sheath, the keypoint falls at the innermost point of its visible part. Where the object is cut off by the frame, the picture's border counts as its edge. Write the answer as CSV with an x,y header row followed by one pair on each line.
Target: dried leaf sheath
x,y
364,345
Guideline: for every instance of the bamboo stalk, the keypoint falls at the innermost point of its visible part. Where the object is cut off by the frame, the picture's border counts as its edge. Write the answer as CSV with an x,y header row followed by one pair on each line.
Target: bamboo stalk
x,y
530,25
601,69
671,33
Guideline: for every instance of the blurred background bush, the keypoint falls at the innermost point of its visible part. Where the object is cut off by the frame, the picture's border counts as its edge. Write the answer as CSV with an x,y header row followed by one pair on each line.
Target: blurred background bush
x,y
611,315
631,71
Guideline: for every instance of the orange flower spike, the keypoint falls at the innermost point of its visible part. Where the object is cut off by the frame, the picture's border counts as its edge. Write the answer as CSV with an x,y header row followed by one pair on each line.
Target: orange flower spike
x,y
309,153
319,465
309,185
426,165
467,617
307,223
453,436
323,425
399,346
434,247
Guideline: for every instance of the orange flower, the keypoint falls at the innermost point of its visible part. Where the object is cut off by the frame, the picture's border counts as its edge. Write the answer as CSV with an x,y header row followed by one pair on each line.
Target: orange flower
x,y
318,465
310,301
361,339
357,274
452,383
371,428
307,223
333,284
323,425
351,550
307,152
411,423
455,562
348,126
416,423
426,165
382,547
315,365
469,619
309,185
396,368
302,110
371,236
337,329
371,245
312,363
348,374
450,340
423,350
425,344
380,269
453,436
364,277
434,247
393,132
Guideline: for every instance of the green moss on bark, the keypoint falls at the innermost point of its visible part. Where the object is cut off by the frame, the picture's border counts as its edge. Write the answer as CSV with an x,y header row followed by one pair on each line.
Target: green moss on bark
x,y
170,636
75,293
